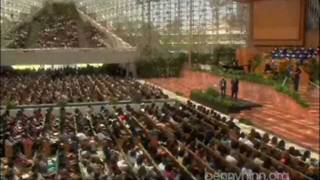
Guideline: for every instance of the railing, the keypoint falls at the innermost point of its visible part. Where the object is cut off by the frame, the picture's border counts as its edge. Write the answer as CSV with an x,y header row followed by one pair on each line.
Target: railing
x,y
74,56
86,104
53,48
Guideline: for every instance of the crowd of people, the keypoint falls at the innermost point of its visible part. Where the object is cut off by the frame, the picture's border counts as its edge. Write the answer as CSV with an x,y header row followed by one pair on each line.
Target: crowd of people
x,y
94,36
56,32
59,31
19,37
300,54
54,86
177,141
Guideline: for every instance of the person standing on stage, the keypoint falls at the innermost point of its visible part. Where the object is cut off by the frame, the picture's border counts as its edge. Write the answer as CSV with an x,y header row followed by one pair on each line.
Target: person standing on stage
x,y
223,87
234,88
288,74
296,78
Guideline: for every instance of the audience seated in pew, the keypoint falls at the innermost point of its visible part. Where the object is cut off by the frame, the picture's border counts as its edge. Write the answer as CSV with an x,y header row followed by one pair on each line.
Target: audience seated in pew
x,y
53,86
171,141
274,147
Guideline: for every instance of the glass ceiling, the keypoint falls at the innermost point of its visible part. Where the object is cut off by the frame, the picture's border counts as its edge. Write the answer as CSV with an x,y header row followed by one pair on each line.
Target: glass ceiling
x,y
218,21
209,21
14,12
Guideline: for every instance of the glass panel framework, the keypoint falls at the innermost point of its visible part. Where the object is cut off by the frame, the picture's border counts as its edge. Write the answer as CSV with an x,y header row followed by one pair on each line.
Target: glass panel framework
x,y
14,12
196,22
210,22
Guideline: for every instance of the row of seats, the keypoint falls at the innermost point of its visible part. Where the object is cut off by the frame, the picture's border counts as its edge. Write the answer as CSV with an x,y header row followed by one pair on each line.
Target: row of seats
x,y
148,142
54,86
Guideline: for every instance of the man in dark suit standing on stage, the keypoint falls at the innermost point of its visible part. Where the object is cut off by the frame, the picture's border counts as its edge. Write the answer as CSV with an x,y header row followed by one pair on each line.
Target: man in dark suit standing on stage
x,y
223,87
234,88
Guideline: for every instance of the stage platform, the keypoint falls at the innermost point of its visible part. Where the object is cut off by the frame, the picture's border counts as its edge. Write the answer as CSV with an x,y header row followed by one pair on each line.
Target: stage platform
x,y
279,114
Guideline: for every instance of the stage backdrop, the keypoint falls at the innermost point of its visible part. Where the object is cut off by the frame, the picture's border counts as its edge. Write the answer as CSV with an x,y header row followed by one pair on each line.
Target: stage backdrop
x,y
278,22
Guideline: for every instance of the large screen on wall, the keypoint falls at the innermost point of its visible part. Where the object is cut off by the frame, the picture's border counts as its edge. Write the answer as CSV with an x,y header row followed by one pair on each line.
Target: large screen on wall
x,y
278,22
